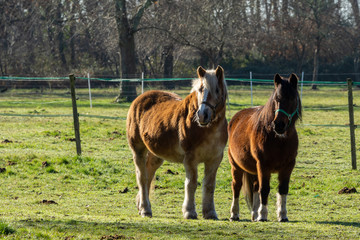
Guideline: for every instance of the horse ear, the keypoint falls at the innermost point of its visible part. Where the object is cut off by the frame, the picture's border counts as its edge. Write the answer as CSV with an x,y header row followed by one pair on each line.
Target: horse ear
x,y
277,80
201,71
293,80
219,73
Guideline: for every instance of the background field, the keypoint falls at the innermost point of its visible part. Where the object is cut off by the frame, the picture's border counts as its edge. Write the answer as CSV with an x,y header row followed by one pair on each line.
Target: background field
x,y
47,192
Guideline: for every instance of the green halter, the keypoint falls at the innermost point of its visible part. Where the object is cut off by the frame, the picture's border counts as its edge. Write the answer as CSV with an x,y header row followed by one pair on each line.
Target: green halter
x,y
290,116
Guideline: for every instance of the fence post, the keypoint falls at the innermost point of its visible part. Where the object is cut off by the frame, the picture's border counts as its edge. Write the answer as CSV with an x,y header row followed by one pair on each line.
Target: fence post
x,y
251,88
89,89
75,114
352,126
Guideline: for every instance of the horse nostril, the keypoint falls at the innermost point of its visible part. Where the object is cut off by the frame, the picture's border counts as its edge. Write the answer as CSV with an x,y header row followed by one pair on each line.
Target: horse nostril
x,y
206,115
280,126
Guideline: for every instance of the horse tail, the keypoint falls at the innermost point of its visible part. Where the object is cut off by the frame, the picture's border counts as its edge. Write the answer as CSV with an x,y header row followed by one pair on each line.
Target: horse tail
x,y
248,188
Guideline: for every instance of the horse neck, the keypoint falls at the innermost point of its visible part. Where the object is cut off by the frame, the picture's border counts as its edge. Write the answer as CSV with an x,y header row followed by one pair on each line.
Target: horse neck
x,y
190,102
267,112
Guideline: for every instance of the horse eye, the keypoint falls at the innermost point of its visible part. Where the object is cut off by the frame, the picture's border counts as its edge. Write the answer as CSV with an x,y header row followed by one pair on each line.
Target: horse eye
x,y
201,89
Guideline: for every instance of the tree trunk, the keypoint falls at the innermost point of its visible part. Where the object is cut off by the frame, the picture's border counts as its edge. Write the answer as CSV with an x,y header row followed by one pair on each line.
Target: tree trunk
x,y
72,33
356,67
60,35
316,66
356,13
168,65
127,46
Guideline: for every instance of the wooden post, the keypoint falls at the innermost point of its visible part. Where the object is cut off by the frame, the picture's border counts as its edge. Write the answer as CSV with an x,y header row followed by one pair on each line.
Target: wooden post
x,y
352,126
75,114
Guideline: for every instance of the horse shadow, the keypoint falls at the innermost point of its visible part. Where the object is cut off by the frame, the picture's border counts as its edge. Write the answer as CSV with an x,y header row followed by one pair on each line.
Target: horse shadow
x,y
347,224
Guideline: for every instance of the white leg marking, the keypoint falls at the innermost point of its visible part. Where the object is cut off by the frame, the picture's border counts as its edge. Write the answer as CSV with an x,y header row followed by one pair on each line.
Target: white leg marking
x,y
234,210
263,213
188,208
281,207
255,206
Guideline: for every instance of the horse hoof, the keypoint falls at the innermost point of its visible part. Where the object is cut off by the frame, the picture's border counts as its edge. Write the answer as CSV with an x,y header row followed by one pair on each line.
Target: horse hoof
x,y
211,215
284,220
189,215
261,220
234,219
145,214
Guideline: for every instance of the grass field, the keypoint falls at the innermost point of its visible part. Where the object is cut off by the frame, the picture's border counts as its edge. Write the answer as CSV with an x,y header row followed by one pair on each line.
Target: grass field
x,y
47,192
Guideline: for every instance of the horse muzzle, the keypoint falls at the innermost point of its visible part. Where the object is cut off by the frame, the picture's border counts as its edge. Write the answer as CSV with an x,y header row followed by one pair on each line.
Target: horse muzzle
x,y
204,117
279,127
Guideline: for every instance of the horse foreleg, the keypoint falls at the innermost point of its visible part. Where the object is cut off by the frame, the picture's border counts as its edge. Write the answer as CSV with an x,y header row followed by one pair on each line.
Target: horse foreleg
x,y
256,202
142,198
188,208
264,190
209,183
284,178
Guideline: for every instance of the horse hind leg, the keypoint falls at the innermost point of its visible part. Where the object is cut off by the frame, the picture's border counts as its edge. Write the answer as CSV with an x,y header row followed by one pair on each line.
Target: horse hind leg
x,y
264,190
142,178
236,185
152,164
250,189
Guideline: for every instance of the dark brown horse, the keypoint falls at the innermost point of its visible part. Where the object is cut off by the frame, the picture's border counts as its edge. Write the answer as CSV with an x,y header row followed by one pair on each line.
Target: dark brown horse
x,y
160,125
262,141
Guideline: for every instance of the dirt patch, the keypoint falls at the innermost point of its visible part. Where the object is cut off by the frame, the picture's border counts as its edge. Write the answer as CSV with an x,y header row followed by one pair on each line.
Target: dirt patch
x,y
346,190
2,170
10,163
48,202
111,237
71,139
126,189
7,141
45,164
171,172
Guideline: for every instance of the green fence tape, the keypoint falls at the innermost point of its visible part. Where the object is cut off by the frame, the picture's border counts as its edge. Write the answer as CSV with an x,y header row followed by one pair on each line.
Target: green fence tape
x,y
164,80
60,115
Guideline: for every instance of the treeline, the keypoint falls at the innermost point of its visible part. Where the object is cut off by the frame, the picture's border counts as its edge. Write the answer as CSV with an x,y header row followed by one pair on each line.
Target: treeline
x,y
169,38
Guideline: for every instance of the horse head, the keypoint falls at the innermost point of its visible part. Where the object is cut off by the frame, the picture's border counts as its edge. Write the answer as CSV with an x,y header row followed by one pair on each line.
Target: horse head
x,y
211,93
286,102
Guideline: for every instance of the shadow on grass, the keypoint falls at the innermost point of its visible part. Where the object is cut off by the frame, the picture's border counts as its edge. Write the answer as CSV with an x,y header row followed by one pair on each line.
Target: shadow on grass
x,y
142,228
347,224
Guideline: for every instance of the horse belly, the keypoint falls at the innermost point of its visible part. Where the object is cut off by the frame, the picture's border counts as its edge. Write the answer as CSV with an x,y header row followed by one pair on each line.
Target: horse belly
x,y
164,145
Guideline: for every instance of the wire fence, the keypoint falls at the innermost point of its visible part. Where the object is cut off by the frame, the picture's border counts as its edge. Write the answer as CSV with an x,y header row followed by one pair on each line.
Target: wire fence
x,y
55,91
43,86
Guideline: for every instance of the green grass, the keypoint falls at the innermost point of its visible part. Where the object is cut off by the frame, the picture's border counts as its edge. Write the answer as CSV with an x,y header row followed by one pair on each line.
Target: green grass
x,y
88,191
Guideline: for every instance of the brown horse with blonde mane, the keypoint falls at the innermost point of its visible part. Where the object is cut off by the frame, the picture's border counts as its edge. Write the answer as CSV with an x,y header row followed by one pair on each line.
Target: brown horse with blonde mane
x,y
161,125
263,140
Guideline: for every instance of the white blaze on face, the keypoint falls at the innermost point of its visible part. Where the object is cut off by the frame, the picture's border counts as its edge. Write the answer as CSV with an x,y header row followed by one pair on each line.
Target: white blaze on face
x,y
203,106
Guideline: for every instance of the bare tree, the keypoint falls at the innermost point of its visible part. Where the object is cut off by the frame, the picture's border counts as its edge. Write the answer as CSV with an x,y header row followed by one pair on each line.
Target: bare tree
x,y
127,27
356,37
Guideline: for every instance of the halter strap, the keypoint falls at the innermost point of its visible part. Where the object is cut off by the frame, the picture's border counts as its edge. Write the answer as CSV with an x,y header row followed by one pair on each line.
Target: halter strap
x,y
290,116
213,108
